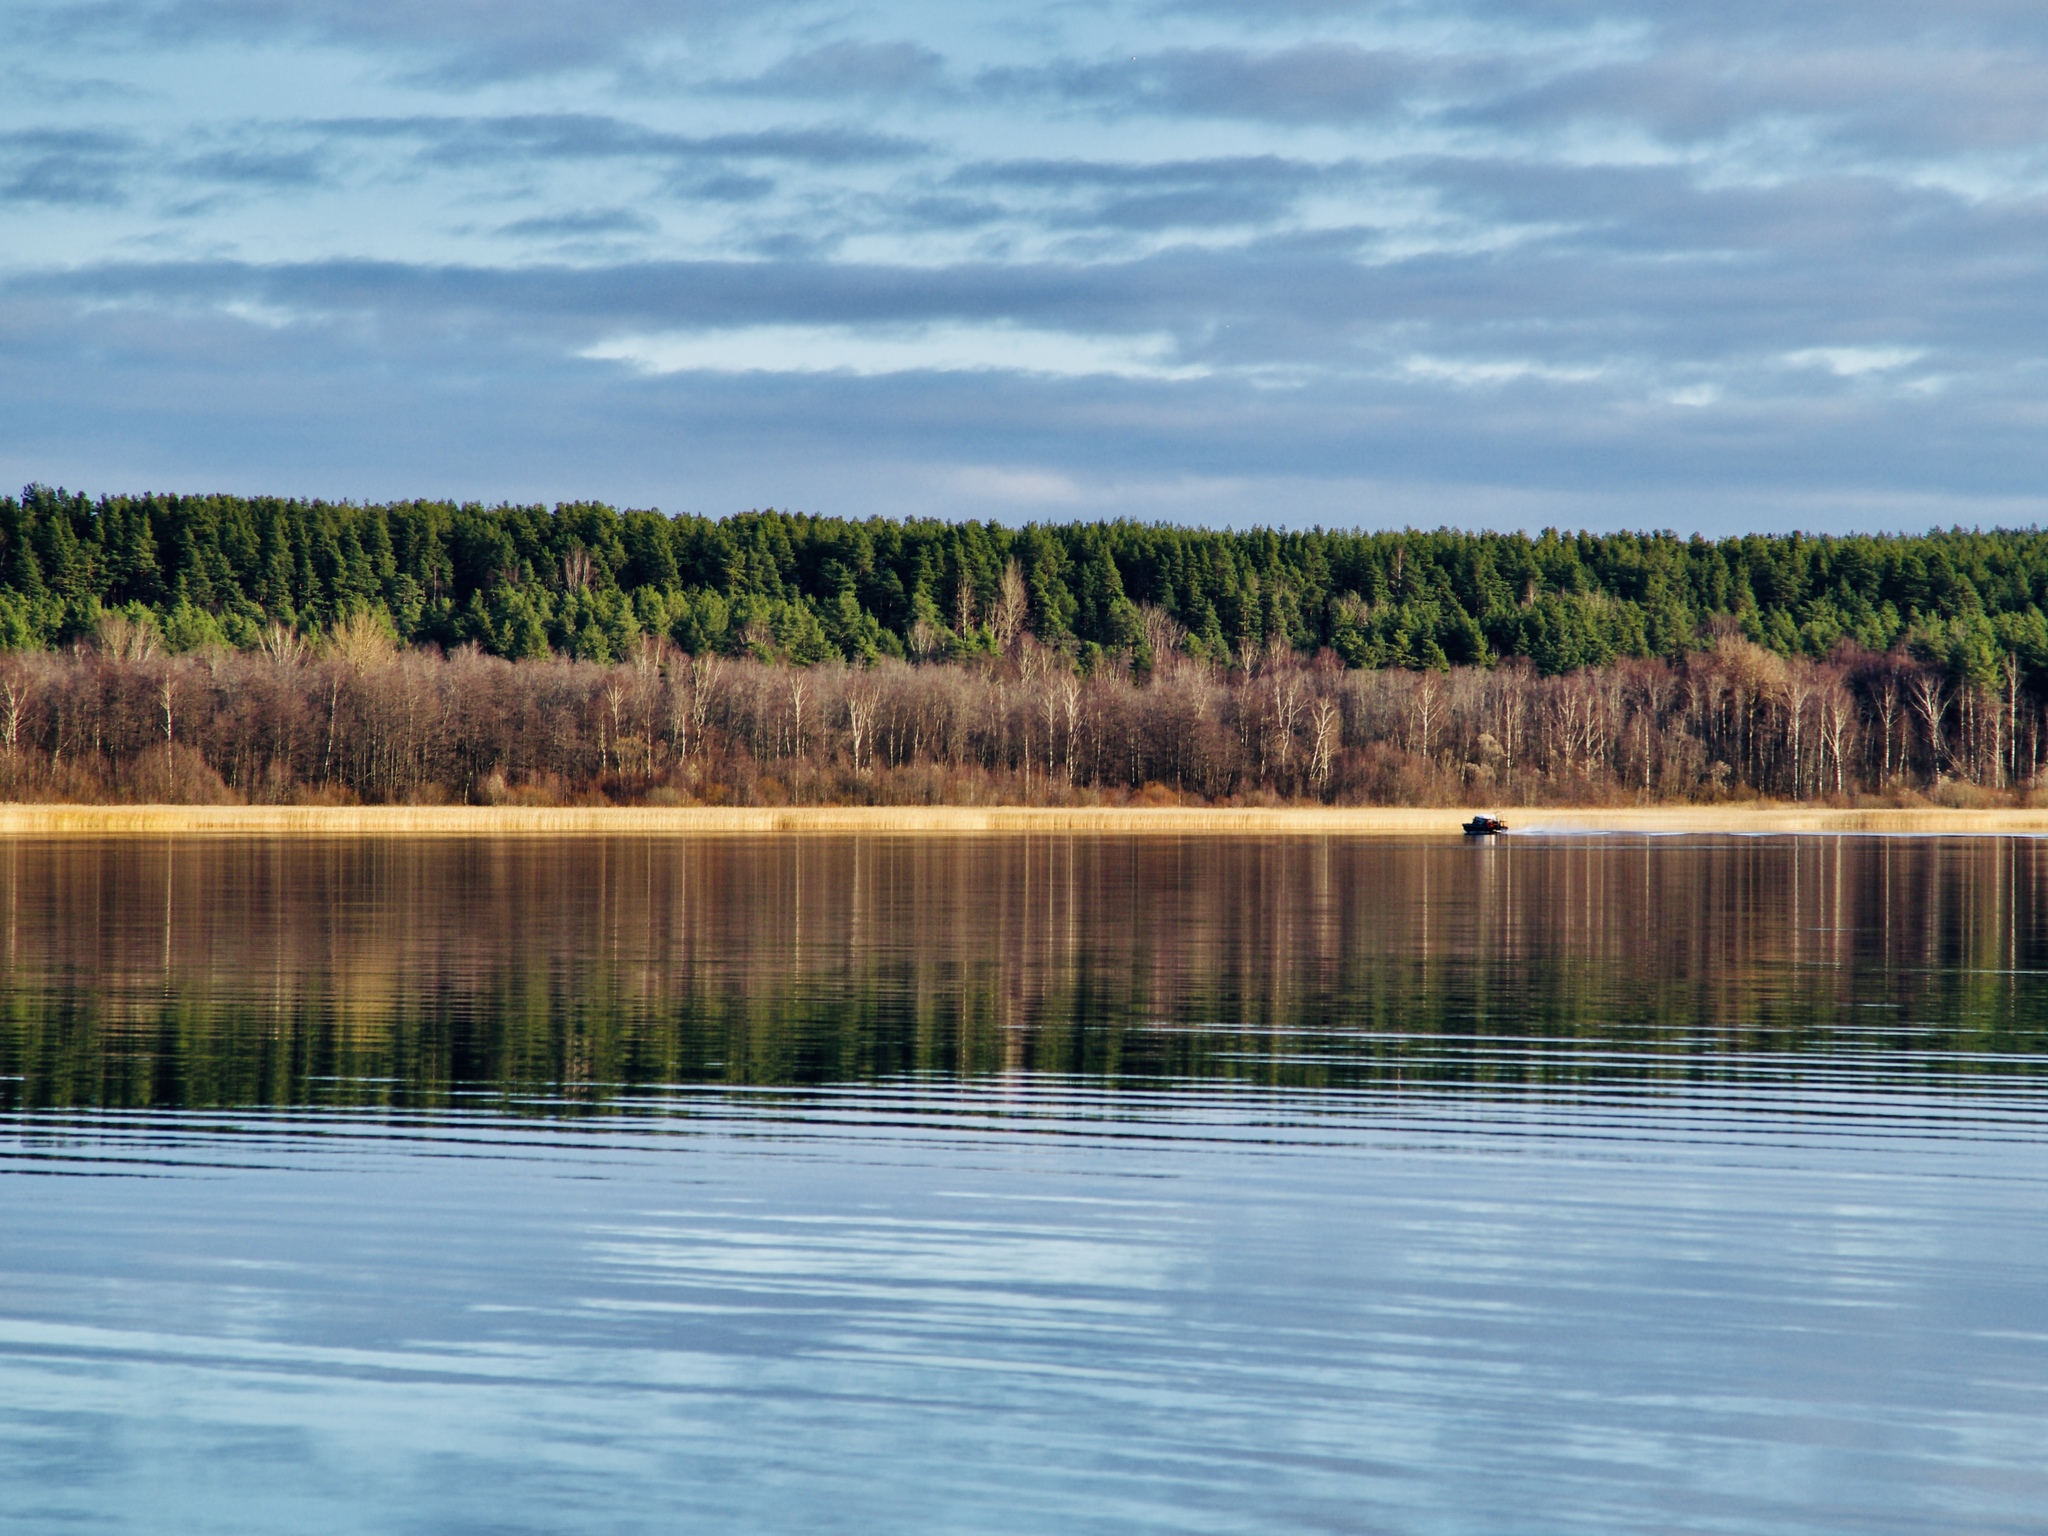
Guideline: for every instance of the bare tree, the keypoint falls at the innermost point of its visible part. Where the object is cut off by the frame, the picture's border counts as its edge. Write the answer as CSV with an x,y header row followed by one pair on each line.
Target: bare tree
x,y
799,685
360,641
963,605
2009,762
615,705
124,637
704,680
364,722
1798,694
166,699
1324,717
1166,638
1885,699
1070,695
1423,699
1837,712
1286,712
283,645
1930,702
1012,606
16,686
860,724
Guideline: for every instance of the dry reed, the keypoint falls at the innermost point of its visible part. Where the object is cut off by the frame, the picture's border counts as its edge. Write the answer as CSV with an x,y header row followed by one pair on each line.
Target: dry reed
x,y
513,821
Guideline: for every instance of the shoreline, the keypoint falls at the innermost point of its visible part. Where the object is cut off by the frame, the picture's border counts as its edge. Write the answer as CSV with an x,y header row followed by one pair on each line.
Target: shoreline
x,y
51,820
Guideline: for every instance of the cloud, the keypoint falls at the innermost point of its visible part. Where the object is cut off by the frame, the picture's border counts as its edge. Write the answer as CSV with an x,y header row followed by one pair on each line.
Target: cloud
x,y
850,68
1521,251
573,303
1492,373
1897,98
570,136
580,224
1854,362
456,40
206,399
62,88
1036,489
1225,191
252,167
1317,82
77,166
867,351
1651,316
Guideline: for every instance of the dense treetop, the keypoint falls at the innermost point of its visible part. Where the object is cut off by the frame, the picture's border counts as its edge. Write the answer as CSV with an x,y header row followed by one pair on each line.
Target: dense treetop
x,y
586,579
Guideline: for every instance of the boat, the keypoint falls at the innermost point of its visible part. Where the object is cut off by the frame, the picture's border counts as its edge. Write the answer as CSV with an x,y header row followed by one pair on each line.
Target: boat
x,y
1484,826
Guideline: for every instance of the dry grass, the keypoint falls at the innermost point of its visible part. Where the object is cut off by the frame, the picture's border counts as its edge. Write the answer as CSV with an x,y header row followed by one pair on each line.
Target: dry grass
x,y
513,821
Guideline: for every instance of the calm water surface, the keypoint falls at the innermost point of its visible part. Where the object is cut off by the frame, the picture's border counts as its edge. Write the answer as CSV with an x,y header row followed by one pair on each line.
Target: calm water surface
x,y
1024,1185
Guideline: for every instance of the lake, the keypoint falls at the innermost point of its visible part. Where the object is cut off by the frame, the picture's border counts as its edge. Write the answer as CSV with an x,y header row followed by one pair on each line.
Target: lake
x,y
1024,1184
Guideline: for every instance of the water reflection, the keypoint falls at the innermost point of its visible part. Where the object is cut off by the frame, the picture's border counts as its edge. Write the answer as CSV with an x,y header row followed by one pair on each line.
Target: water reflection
x,y
570,973
1037,1186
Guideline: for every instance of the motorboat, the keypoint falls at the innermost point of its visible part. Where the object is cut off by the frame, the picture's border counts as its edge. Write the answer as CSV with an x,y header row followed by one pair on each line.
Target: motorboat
x,y
1484,826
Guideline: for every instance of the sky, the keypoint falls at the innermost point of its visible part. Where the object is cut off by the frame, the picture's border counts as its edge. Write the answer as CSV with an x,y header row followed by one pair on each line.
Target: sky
x,y
1725,266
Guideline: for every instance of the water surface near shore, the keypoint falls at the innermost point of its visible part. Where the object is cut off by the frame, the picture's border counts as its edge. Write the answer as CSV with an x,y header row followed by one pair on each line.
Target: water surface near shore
x,y
1028,1184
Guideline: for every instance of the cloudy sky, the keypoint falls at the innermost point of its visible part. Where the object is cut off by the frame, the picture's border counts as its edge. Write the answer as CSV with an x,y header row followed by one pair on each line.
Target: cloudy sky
x,y
1704,264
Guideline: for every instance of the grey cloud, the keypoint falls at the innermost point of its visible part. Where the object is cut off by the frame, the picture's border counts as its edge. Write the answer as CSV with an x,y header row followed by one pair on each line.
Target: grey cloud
x,y
593,136
96,166
1234,170
456,39
814,146
1190,194
1814,23
2013,21
37,85
217,402
725,187
1278,301
1318,82
1895,76
260,168
66,165
1187,209
581,224
1616,212
560,307
851,69
939,210
1636,265
1589,290
1895,98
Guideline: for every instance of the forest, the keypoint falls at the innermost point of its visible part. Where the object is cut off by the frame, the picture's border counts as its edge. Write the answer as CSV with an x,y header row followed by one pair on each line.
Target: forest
x,y
216,648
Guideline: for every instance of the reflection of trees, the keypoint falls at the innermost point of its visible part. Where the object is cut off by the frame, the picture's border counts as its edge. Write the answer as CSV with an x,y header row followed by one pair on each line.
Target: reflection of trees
x,y
219,973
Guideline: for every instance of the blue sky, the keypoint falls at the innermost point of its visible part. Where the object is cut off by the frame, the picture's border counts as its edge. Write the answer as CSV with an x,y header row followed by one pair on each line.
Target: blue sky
x,y
1709,266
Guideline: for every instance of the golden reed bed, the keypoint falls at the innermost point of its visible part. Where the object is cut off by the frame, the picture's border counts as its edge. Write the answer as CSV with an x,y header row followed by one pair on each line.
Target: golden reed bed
x,y
503,821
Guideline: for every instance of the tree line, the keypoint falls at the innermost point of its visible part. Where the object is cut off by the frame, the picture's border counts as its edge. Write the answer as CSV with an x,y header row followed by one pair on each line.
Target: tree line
x,y
227,648
589,582
356,717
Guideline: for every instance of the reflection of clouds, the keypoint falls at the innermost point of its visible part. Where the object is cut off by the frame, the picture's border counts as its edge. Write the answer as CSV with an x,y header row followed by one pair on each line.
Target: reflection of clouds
x,y
879,1257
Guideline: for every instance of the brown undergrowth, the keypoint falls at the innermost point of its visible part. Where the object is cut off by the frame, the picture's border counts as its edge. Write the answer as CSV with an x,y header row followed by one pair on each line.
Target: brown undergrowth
x,y
367,723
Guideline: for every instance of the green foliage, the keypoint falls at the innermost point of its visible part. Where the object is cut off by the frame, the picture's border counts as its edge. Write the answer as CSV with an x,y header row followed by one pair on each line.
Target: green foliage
x,y
584,580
